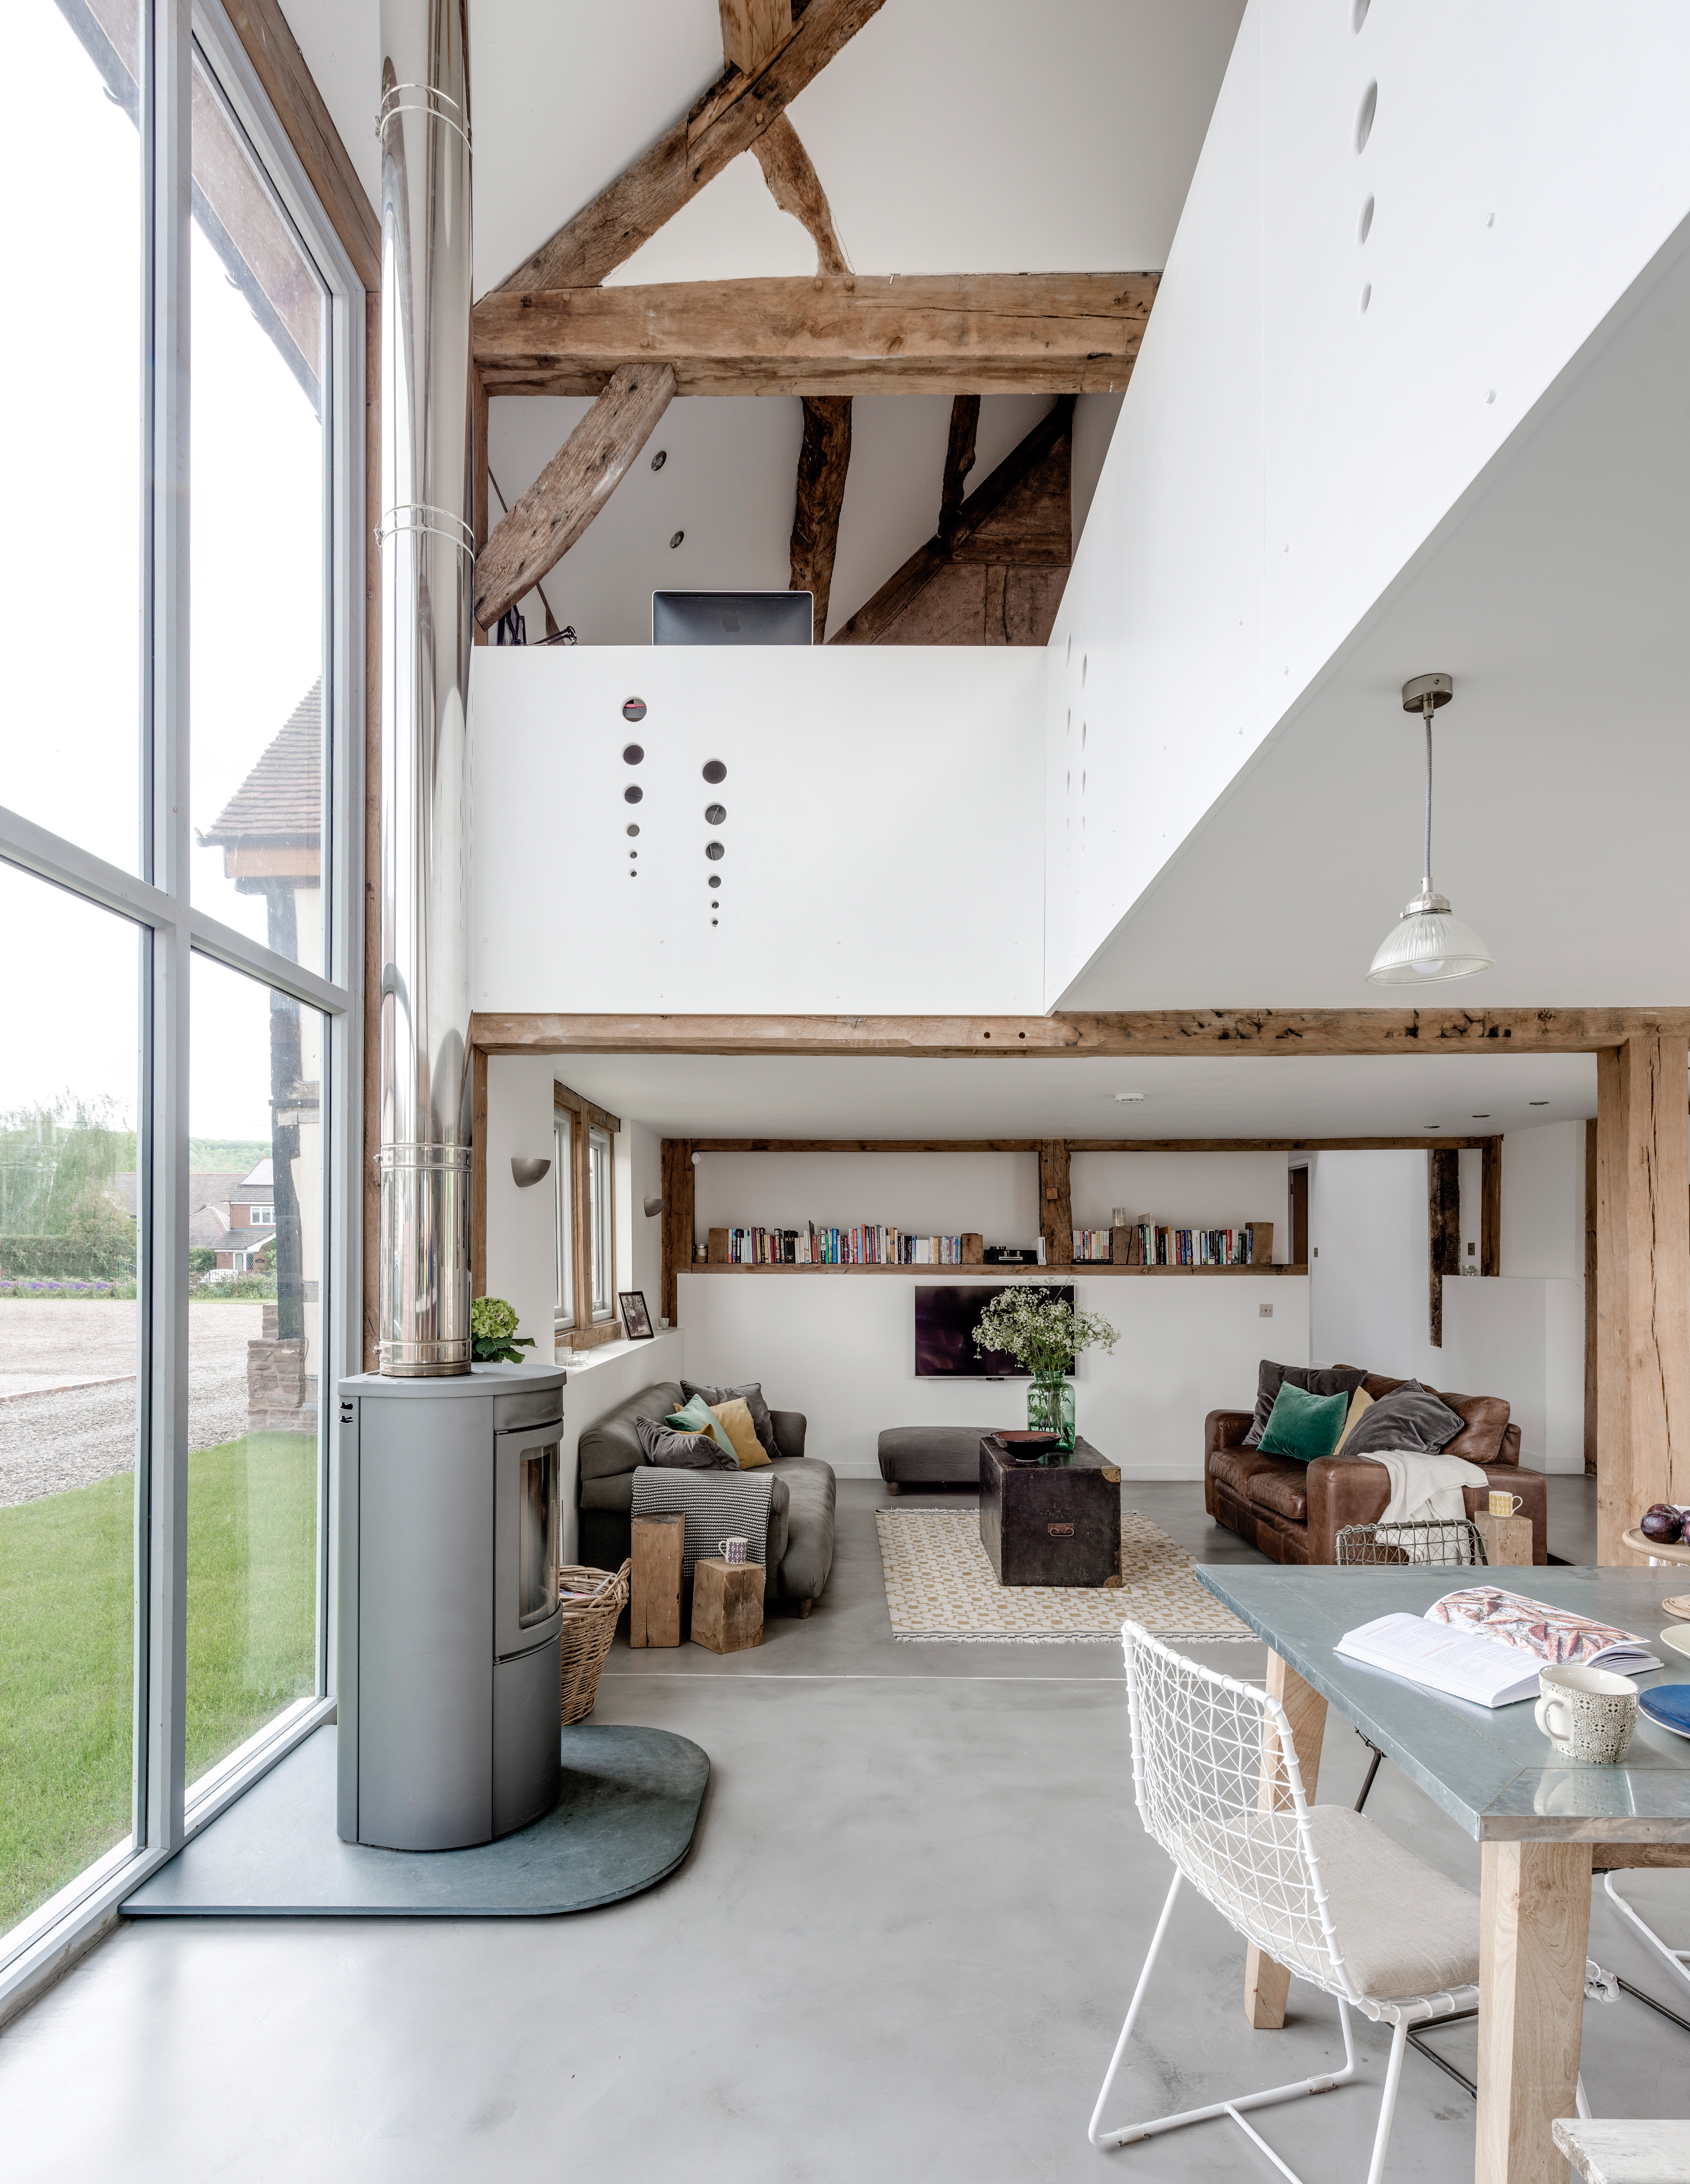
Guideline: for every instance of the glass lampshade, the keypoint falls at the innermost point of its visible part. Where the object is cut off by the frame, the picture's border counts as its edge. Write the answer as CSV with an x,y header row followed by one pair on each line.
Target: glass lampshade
x,y
1428,943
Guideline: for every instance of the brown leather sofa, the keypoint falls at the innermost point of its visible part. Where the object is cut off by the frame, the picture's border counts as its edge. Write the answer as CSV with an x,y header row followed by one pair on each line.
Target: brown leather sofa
x,y
1294,1511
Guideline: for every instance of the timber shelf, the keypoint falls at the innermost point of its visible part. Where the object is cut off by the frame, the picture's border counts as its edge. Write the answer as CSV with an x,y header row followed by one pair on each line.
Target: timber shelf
x,y
1085,1267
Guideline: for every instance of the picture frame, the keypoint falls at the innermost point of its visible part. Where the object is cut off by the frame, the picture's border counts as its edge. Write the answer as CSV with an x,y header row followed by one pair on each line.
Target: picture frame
x,y
636,1319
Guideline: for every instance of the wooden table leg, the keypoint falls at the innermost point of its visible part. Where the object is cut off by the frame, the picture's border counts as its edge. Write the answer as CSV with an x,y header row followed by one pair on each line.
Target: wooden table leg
x,y
1535,1910
1267,1984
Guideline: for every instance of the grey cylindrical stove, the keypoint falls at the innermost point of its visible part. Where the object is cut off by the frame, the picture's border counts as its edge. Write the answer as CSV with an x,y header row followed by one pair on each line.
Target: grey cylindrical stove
x,y
450,1626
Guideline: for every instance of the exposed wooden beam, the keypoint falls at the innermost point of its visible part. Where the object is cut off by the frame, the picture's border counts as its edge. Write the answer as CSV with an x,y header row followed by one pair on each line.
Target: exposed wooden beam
x,y
727,120
960,538
751,30
676,1156
1056,1203
959,460
1642,1214
1491,1207
1080,1145
1443,1202
572,487
1121,1034
795,187
823,459
836,334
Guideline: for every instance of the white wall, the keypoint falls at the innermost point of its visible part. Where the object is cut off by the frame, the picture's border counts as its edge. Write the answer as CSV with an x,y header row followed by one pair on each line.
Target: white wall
x,y
1368,1274
841,1349
1522,1337
522,1265
609,1377
1543,1201
1260,494
1183,1190
924,1194
640,1239
882,838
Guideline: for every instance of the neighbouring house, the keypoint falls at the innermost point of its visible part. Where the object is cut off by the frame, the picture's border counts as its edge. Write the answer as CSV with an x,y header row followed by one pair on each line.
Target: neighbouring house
x,y
232,1215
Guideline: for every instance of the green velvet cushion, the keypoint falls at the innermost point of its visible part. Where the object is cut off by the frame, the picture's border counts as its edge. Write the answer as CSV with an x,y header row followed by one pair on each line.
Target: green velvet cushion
x,y
1304,1426
697,1416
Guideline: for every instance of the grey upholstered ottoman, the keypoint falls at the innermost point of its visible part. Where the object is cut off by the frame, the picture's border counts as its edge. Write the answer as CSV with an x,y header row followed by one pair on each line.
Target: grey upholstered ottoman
x,y
931,1456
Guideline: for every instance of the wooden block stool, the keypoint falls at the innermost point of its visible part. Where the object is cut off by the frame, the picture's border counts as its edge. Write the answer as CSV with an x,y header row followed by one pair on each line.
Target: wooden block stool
x,y
727,1606
1507,1539
654,1613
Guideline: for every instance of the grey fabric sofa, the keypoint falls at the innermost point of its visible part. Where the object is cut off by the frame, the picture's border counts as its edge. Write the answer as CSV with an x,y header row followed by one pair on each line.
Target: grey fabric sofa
x,y
931,1456
801,1541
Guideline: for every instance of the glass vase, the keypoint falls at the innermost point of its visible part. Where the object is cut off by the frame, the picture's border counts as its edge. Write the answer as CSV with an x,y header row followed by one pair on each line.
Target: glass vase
x,y
1050,1408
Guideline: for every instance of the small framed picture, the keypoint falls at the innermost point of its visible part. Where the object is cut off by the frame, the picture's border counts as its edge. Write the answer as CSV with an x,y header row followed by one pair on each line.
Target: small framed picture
x,y
636,1319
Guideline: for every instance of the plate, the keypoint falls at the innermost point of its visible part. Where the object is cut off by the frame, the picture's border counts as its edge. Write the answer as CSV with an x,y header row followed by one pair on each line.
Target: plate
x,y
1668,1705
1677,1637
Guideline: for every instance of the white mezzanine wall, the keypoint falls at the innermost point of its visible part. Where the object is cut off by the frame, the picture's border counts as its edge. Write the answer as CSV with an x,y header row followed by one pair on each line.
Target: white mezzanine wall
x,y
881,836
1410,184
841,1347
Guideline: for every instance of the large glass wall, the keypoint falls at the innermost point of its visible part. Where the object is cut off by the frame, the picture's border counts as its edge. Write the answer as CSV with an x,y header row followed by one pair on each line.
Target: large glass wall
x,y
179,991
68,1380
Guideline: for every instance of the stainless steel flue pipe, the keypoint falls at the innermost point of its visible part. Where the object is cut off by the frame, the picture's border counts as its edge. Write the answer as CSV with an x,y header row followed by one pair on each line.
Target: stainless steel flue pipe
x,y
428,591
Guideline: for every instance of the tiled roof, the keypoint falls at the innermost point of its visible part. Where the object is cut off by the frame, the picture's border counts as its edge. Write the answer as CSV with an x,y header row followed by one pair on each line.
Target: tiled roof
x,y
203,1190
281,799
245,1239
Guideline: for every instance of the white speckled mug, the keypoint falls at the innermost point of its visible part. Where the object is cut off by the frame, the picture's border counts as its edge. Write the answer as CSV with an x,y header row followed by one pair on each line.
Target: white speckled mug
x,y
1587,1714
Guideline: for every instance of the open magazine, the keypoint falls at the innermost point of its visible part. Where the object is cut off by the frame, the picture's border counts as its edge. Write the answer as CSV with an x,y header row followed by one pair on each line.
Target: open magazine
x,y
1487,1645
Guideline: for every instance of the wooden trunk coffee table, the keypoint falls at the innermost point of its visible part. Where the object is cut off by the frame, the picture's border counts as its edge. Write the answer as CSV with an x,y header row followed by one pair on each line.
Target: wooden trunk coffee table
x,y
1054,1520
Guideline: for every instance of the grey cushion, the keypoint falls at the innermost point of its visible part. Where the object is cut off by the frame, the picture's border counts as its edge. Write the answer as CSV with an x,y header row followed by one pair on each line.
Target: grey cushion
x,y
1410,1417
611,1444
752,1395
674,1450
1316,1379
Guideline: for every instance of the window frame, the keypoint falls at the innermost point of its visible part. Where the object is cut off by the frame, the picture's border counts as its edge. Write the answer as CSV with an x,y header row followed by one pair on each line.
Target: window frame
x,y
591,1322
601,1246
157,900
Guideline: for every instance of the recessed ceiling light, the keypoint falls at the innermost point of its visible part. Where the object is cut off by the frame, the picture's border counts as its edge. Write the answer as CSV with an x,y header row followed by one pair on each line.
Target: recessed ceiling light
x,y
1538,1103
1124,1097
1484,1117
1431,1126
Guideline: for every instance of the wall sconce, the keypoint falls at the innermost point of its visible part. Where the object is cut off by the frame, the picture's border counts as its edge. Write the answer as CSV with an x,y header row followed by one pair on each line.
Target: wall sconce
x,y
526,1173
654,1206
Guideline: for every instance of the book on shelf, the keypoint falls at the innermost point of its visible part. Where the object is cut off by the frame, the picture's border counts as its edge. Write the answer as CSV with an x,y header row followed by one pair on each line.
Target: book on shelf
x,y
1488,1646
1150,1244
866,1244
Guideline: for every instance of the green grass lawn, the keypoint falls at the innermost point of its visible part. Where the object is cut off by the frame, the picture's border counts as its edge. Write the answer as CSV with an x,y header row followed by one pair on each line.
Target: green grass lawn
x,y
67,1568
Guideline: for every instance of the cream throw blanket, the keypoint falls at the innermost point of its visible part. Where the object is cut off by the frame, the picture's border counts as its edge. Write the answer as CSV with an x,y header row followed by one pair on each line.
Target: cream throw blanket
x,y
1425,1486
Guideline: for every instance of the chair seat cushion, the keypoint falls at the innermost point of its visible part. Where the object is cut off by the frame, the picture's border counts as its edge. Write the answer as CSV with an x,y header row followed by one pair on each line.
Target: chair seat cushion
x,y
1404,1929
1281,1487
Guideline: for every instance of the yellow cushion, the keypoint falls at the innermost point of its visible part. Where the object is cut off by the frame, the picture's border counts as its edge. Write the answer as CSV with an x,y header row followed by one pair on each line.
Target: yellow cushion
x,y
1360,1401
736,1424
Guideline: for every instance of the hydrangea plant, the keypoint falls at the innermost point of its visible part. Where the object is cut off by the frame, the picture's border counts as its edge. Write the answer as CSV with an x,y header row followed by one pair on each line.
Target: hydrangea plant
x,y
493,1330
1039,1331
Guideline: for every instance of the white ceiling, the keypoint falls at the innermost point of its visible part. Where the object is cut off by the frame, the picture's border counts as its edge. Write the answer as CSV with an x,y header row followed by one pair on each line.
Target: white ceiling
x,y
1270,1097
1555,596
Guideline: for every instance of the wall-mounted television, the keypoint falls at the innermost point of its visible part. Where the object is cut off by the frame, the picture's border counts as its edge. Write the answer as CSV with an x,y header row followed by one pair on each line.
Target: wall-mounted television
x,y
945,1320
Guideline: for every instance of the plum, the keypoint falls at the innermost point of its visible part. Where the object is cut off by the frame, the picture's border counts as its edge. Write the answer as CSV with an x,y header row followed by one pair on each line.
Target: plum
x,y
1662,1524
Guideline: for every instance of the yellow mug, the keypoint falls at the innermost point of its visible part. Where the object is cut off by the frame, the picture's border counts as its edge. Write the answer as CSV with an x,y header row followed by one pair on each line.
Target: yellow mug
x,y
1506,1504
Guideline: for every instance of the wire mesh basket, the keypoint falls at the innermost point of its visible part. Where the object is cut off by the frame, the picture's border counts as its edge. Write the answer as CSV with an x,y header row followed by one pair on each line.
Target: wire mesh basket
x,y
589,1626
1430,1543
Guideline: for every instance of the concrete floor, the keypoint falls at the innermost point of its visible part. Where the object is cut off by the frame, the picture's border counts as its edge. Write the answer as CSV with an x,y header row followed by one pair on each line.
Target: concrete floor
x,y
900,1949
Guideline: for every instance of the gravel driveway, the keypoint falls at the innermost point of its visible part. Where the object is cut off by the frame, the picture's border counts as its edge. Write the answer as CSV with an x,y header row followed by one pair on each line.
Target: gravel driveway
x,y
52,1437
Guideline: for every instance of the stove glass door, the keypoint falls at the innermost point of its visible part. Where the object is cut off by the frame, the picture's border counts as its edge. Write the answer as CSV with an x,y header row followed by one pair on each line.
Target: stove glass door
x,y
536,1535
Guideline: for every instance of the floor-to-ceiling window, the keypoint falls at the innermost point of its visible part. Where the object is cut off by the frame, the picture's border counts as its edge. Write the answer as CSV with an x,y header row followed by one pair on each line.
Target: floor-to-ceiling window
x,y
177,1148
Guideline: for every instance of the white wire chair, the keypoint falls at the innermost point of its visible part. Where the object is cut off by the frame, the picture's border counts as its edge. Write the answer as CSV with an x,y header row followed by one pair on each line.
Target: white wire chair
x,y
1217,1783
1677,1959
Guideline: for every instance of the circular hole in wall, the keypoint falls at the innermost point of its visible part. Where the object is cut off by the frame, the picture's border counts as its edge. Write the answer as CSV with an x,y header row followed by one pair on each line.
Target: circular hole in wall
x,y
632,754
1359,13
1364,226
1369,105
714,770
633,795
634,830
715,879
634,708
1367,295
714,814
715,851
676,540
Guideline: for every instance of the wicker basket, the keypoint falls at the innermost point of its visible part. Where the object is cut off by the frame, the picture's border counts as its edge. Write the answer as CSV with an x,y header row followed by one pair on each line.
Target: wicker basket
x,y
589,1626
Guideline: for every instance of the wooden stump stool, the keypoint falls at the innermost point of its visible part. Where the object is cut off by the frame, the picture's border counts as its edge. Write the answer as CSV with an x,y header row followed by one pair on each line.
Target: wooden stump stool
x,y
727,1606
654,1616
1507,1539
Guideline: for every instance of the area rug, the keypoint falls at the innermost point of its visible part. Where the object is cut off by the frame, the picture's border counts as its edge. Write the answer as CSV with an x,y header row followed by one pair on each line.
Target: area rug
x,y
942,1586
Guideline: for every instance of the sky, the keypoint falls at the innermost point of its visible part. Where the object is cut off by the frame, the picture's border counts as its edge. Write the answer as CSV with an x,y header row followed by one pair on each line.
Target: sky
x,y
69,731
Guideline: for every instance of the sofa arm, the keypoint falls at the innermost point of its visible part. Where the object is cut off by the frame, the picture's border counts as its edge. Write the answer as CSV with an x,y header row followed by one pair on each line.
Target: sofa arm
x,y
1221,1429
790,1426
1343,1490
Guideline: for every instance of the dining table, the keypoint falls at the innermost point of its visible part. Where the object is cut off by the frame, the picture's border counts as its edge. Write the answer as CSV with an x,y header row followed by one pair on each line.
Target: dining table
x,y
1544,1823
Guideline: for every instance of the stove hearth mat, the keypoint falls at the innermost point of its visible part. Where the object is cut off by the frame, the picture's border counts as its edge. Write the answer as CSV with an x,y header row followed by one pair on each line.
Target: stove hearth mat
x,y
630,1804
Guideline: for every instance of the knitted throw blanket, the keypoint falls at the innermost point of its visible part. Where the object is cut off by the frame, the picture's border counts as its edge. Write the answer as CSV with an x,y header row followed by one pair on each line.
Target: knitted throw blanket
x,y
716,1505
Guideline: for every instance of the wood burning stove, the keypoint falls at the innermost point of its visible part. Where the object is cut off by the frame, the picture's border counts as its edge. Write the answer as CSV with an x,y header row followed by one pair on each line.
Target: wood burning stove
x,y
449,1620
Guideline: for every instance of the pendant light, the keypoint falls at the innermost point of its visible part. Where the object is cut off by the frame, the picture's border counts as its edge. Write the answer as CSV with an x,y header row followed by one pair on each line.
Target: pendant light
x,y
1428,941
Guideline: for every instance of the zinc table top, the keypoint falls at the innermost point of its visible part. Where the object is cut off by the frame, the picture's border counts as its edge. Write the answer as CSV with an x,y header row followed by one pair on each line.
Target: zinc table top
x,y
1492,1770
